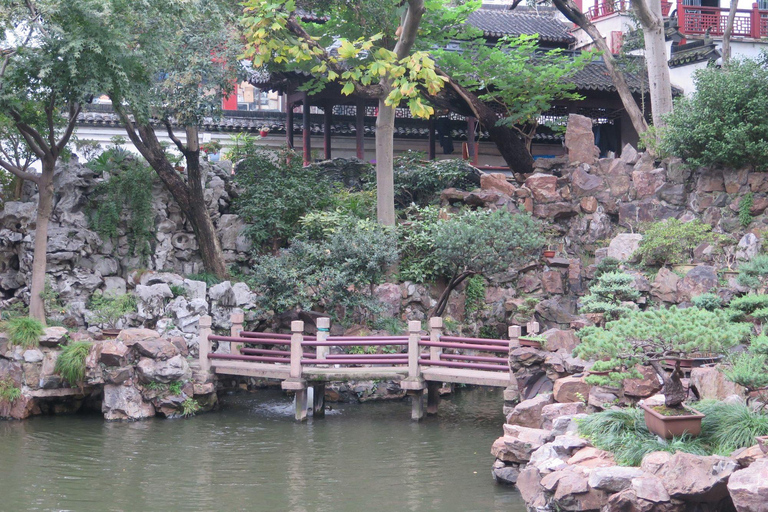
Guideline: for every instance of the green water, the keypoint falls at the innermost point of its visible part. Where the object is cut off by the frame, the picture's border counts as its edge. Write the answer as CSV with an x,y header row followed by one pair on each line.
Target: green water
x,y
251,455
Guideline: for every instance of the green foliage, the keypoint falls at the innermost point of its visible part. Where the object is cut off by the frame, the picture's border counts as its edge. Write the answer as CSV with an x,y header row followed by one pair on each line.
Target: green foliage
x,y
516,77
14,310
155,386
747,304
8,391
277,191
608,293
671,241
208,278
126,194
725,122
175,387
726,427
747,369
71,362
474,294
745,217
108,309
708,301
664,333
392,325
484,242
759,345
339,270
419,182
606,265
24,332
189,407
526,310
178,290
416,241
753,273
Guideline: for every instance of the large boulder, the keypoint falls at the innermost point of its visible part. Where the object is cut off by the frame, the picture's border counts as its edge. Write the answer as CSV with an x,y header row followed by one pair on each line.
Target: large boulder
x,y
699,280
125,403
114,353
623,246
644,386
167,371
528,412
157,348
580,140
518,443
543,187
613,479
664,287
560,339
749,487
710,383
697,478
550,412
571,389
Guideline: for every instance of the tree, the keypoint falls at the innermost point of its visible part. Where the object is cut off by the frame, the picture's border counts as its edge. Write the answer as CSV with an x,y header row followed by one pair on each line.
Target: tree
x,y
376,62
515,78
53,59
570,10
652,337
725,121
177,79
608,294
15,151
483,243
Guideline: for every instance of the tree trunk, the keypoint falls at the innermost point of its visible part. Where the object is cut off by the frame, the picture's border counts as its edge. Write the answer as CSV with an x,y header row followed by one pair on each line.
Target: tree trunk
x,y
385,179
649,14
39,260
674,391
727,34
202,225
571,11
442,301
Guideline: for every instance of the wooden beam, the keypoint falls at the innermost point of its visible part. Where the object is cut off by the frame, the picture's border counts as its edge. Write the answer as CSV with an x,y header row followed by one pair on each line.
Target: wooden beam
x,y
289,125
360,129
431,127
327,120
306,133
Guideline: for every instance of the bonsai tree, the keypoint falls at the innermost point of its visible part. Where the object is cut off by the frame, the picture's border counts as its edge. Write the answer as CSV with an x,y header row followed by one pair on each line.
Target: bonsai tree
x,y
671,242
650,337
609,294
754,273
750,368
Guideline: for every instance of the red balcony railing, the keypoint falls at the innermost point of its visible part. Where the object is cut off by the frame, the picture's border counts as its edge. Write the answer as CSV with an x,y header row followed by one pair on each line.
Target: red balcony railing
x,y
693,19
606,8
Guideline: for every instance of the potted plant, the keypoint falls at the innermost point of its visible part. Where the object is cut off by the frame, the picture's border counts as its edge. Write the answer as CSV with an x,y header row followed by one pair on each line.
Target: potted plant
x,y
107,309
211,150
536,342
264,131
651,337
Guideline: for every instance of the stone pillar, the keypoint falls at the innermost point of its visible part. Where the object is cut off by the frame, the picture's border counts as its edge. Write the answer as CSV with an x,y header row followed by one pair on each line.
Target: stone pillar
x,y
297,337
323,331
435,331
203,343
237,320
433,396
417,404
416,390
511,392
318,400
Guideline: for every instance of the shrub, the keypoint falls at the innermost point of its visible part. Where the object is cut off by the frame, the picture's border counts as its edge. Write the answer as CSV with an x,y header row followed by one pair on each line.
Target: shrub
x,y
24,332
8,391
108,309
474,294
277,190
748,370
606,265
71,362
416,241
420,182
339,270
647,337
748,304
672,242
725,122
127,193
175,387
483,243
608,293
745,217
708,301
208,278
753,273
189,407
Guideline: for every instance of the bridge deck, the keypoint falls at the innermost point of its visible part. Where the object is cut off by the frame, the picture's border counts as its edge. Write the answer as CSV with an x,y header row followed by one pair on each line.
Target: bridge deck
x,y
249,369
463,376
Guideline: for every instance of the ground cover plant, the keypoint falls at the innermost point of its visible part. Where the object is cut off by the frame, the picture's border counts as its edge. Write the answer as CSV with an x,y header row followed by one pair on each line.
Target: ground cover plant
x,y
725,428
71,362
9,392
24,332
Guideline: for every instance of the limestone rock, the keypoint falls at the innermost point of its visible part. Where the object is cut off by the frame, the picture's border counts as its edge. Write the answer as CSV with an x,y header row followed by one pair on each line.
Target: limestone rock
x,y
623,246
125,403
163,371
543,187
506,475
571,389
497,181
664,287
566,424
712,384
585,184
749,487
529,485
647,385
132,336
114,353
552,282
647,183
696,478
613,479
49,379
518,443
650,488
580,140
388,295
699,280
749,246
157,348
53,336
528,412
33,356
560,339
551,412
590,457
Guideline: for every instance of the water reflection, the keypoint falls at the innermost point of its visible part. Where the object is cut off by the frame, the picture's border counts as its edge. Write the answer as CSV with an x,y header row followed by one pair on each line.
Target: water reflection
x,y
251,455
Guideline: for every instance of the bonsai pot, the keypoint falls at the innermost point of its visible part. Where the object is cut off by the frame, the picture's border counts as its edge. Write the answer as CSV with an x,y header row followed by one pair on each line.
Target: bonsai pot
x,y
263,133
684,268
529,342
549,254
668,427
110,333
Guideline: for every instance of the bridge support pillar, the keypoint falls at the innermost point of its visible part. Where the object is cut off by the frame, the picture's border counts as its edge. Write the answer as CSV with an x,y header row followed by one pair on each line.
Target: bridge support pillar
x,y
417,404
300,401
318,400
433,397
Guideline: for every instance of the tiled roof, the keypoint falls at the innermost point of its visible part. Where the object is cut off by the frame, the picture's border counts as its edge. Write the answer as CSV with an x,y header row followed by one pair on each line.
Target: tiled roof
x,y
499,23
696,51
595,77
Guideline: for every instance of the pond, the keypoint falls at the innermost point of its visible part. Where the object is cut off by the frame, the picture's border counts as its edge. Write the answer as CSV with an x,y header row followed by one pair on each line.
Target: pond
x,y
251,455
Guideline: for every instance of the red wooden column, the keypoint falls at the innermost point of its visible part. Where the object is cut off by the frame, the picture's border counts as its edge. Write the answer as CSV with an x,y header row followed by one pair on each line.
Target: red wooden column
x,y
431,128
754,22
289,125
327,120
306,134
360,129
471,126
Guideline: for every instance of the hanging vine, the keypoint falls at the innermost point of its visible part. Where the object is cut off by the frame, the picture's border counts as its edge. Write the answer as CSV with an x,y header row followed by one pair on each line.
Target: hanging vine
x,y
126,195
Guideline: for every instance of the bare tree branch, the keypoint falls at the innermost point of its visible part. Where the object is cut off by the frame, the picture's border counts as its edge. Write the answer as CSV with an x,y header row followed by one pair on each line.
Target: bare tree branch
x,y
173,136
74,111
18,172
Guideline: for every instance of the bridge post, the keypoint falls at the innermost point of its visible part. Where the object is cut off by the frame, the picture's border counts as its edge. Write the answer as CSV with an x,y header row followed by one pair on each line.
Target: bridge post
x,y
318,400
237,320
512,392
323,331
433,388
414,383
295,383
203,343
